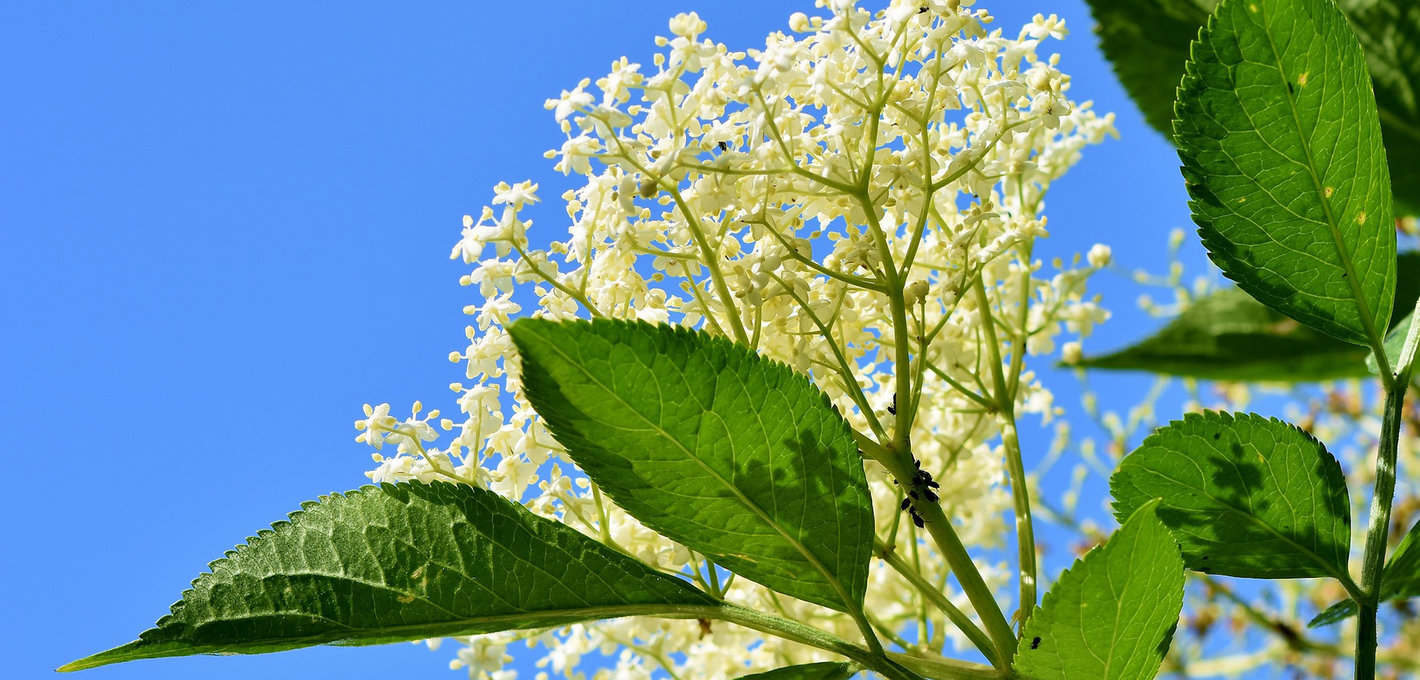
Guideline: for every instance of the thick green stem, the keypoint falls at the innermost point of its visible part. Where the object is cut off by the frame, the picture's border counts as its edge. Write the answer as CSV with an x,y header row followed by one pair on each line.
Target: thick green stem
x,y
1372,565
958,618
798,632
959,560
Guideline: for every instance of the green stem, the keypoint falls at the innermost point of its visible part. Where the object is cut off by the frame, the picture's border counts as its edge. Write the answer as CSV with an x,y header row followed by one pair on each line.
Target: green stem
x,y
1020,494
957,616
1373,563
798,632
959,560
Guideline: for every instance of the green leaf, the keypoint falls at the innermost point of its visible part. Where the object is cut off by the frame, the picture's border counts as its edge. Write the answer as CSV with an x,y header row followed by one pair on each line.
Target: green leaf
x,y
1399,581
1281,150
1244,495
1147,43
827,670
1394,342
1113,613
402,562
735,456
1227,335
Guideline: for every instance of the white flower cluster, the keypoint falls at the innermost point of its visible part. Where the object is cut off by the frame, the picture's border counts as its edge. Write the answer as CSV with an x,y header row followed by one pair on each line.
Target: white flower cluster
x,y
864,180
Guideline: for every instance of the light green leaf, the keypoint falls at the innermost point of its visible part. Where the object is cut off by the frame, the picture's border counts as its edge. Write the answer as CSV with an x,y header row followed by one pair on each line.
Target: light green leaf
x,y
1394,342
1113,613
735,456
1147,43
1244,495
1227,335
402,562
1399,581
1282,153
827,670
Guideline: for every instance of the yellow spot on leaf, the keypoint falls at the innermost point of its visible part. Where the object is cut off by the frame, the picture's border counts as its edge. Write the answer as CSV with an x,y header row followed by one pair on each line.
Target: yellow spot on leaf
x,y
1361,217
405,599
417,573
1328,192
1242,200
1302,79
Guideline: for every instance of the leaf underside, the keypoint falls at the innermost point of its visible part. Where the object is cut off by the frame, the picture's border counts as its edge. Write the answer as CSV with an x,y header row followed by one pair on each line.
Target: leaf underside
x,y
1282,154
400,562
1147,41
1227,335
1244,495
1113,613
733,455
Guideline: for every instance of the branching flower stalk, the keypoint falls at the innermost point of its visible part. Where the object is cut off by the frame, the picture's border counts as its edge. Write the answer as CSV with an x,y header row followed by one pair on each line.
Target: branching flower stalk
x,y
858,199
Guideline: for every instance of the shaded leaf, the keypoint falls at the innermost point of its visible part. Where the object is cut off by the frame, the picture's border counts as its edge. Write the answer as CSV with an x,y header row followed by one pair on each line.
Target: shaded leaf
x,y
1227,335
1244,495
1147,43
1399,581
827,670
734,455
1113,613
1281,150
402,562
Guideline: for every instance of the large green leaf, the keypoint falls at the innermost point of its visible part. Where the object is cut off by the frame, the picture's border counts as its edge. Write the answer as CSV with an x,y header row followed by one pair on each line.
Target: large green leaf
x,y
729,453
1400,580
1227,335
1282,153
402,562
1245,495
1147,43
827,670
1113,613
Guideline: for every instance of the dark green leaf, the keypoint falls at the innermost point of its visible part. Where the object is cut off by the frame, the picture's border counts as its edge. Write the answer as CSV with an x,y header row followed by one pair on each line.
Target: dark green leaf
x,y
1399,581
1147,43
1282,153
736,456
1113,613
1227,335
827,670
1245,495
402,562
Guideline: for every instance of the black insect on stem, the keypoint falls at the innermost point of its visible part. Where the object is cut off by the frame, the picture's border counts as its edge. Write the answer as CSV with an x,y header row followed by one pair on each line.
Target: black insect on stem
x,y
919,488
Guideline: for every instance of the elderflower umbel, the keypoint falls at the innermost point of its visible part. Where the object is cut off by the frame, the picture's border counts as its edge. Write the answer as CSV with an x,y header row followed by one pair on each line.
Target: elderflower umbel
x,y
784,196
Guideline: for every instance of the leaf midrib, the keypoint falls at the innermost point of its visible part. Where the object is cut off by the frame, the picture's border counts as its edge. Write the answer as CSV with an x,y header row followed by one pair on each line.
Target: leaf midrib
x,y
745,501
1337,241
445,629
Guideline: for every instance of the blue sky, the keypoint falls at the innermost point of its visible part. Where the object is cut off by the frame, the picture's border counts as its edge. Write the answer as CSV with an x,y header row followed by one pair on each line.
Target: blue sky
x,y
226,227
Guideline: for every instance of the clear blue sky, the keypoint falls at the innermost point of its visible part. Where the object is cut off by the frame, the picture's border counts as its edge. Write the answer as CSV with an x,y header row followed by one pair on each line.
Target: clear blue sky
x,y
226,226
